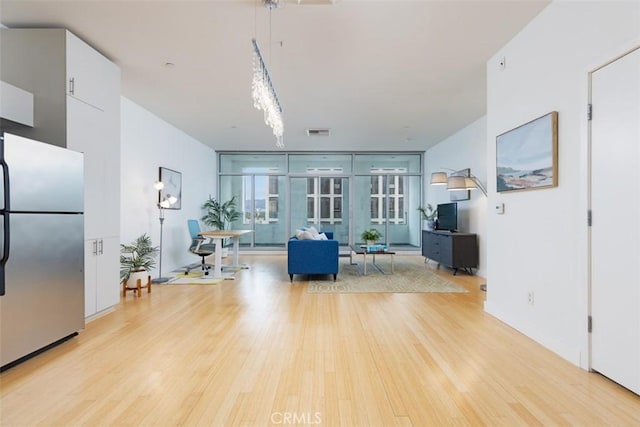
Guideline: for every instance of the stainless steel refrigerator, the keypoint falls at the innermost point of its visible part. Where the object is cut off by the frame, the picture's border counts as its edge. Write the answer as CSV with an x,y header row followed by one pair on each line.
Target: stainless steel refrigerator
x,y
41,244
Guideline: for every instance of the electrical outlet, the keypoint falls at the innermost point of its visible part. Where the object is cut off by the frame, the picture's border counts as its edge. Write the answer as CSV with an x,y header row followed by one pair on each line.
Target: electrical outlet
x,y
530,297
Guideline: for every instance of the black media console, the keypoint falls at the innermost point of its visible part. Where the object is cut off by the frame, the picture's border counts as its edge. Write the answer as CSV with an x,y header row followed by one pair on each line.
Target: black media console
x,y
455,250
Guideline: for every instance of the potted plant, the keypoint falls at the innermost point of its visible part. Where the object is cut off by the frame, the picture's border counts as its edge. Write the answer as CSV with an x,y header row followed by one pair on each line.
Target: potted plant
x,y
220,215
429,214
370,236
137,259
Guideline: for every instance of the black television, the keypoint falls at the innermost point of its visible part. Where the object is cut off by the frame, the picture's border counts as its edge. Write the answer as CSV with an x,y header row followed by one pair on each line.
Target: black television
x,y
447,217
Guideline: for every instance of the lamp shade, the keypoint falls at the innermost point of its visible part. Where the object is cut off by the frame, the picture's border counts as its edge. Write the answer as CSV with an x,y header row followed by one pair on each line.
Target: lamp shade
x,y
158,185
438,178
456,183
470,183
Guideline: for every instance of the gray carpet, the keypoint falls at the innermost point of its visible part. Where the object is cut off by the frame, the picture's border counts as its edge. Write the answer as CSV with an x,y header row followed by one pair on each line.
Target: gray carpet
x,y
410,275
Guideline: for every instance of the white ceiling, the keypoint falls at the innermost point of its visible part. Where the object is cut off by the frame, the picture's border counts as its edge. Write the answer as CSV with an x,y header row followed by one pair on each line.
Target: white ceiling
x,y
399,75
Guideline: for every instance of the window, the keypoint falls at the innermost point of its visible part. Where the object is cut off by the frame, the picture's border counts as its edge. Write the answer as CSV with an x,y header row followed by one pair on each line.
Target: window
x,y
344,192
273,197
266,202
395,197
324,198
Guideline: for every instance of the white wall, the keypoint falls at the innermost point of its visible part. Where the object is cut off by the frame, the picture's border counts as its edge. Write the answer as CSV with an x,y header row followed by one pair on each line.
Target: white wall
x,y
148,142
464,149
540,244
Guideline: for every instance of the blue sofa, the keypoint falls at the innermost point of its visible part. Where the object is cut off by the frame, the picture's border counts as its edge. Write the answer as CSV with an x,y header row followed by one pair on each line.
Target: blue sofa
x,y
313,256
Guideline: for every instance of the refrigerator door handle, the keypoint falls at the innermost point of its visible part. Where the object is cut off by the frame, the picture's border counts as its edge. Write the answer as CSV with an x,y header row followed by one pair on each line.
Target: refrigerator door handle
x,y
5,183
5,250
6,235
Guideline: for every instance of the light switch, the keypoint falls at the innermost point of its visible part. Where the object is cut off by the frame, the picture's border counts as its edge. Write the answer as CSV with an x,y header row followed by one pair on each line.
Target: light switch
x,y
499,208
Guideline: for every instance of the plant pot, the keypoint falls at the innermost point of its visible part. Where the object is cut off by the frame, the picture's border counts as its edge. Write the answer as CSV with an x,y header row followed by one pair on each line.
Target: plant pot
x,y
371,242
431,224
135,275
132,282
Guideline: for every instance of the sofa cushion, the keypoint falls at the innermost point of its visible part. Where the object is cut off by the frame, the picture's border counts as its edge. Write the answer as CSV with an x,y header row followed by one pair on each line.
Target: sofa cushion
x,y
311,229
314,231
304,235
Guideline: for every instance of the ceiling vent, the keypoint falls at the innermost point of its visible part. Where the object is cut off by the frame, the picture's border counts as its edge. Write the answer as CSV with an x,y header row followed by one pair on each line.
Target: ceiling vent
x,y
318,132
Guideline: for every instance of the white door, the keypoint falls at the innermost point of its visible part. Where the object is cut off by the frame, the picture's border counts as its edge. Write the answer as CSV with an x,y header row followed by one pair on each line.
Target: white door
x,y
615,233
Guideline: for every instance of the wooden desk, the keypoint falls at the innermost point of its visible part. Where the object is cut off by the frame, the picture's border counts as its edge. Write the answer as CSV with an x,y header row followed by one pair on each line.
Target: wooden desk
x,y
217,236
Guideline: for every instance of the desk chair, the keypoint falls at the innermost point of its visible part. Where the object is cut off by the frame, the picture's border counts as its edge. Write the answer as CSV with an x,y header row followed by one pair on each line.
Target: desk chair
x,y
198,247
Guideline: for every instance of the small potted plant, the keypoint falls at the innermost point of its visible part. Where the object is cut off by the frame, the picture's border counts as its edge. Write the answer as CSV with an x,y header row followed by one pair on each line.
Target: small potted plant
x,y
137,259
370,236
429,215
220,215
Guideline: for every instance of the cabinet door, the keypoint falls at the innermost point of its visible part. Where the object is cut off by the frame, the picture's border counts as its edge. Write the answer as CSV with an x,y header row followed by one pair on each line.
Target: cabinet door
x,y
89,132
85,66
90,274
84,125
446,249
108,273
425,239
102,274
465,251
110,181
431,246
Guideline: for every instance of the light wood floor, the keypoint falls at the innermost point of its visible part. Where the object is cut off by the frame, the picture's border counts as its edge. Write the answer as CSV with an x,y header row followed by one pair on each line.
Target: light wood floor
x,y
260,351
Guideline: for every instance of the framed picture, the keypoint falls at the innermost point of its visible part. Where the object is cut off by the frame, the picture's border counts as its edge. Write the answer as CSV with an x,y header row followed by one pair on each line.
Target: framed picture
x,y
458,195
527,156
172,187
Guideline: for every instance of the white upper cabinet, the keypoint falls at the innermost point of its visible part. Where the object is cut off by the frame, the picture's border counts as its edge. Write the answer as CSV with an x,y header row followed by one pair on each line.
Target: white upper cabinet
x,y
84,66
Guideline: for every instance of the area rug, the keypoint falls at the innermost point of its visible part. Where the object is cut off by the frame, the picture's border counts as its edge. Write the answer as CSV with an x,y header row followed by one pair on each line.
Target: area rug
x,y
195,281
409,276
193,278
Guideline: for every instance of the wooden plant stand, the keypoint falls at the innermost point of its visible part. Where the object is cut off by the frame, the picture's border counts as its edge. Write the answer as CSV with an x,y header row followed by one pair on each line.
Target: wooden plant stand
x,y
137,287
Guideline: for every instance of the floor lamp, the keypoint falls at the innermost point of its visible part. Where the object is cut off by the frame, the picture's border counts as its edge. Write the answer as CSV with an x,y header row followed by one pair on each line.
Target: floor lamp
x,y
166,202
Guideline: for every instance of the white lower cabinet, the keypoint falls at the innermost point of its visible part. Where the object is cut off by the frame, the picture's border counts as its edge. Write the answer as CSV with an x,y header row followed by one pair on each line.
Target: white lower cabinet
x,y
101,274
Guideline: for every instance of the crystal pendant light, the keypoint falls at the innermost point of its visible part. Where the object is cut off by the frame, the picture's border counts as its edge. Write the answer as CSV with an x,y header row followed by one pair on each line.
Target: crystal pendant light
x,y
264,96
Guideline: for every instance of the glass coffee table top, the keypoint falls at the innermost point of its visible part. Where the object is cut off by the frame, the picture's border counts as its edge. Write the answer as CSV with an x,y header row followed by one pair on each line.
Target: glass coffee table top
x,y
362,250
